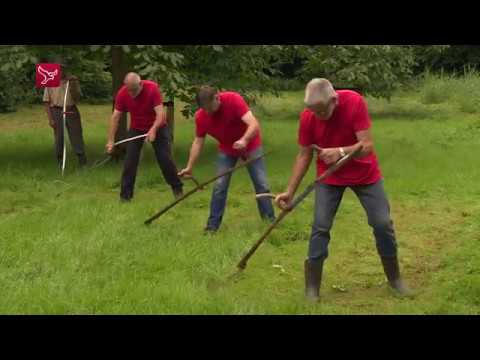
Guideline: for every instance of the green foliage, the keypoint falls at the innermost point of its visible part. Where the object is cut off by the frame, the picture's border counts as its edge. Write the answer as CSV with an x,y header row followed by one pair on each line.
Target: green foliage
x,y
92,69
17,73
163,64
70,247
436,89
14,76
429,56
252,70
468,91
376,69
180,70
449,58
95,76
463,89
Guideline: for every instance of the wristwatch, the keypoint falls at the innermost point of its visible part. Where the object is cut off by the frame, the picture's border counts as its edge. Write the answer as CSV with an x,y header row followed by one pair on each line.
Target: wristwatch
x,y
342,152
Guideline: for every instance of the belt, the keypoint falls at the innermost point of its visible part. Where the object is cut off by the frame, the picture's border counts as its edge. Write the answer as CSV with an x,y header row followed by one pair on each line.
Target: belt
x,y
68,107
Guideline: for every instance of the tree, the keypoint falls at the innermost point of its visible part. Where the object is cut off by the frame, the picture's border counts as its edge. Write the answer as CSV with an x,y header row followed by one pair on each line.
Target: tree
x,y
450,58
14,78
376,69
119,70
181,69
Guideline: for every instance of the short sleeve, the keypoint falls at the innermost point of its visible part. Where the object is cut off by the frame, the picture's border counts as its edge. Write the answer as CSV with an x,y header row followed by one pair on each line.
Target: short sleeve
x,y
120,104
361,118
240,106
305,136
200,128
157,98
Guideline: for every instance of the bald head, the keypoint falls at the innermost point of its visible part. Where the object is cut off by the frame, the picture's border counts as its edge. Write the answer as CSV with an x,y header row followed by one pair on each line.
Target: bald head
x,y
133,82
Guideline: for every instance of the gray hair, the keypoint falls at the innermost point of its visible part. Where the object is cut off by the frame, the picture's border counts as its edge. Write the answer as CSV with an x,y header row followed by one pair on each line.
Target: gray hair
x,y
319,91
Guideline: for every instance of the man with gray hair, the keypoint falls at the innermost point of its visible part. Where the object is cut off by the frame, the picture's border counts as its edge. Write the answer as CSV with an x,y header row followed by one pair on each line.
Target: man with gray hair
x,y
142,98
337,123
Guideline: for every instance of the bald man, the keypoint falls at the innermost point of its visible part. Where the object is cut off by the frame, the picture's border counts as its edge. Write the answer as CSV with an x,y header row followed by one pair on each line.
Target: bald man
x,y
338,123
143,100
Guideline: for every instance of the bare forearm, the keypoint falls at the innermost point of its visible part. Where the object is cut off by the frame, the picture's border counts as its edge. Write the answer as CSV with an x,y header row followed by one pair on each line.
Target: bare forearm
x,y
160,118
251,132
299,170
113,128
195,152
159,121
367,148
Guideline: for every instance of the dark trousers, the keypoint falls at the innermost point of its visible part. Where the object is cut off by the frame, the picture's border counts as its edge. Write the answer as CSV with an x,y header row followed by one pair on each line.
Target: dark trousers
x,y
374,201
161,147
74,129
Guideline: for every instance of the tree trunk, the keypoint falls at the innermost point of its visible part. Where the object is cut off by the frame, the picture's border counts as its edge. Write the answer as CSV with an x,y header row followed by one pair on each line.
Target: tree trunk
x,y
119,70
170,111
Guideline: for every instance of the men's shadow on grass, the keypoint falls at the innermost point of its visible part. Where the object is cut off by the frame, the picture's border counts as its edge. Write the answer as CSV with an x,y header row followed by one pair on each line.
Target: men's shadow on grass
x,y
42,157
25,157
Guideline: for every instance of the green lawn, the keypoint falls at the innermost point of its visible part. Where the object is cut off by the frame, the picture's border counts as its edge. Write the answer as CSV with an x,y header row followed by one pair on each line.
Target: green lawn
x,y
67,246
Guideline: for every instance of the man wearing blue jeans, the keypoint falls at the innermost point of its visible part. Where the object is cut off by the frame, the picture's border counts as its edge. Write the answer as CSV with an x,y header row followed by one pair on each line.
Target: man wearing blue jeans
x,y
226,117
337,123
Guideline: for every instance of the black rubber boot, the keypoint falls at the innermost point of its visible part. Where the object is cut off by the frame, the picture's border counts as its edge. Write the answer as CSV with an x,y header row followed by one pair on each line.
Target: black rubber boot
x,y
392,271
82,160
313,279
209,231
177,192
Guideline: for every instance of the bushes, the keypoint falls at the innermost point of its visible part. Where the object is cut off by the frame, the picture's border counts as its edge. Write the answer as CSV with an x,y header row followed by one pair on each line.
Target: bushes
x,y
96,83
377,69
463,90
436,89
9,92
95,77
14,79
17,75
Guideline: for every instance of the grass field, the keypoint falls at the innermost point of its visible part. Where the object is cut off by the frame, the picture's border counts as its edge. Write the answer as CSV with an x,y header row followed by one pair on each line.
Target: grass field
x,y
67,246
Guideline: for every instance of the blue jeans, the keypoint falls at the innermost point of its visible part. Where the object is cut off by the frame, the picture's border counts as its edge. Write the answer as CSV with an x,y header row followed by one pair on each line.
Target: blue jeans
x,y
374,201
259,179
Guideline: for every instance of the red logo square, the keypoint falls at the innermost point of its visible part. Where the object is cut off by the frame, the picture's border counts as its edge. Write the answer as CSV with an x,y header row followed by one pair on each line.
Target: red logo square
x,y
48,75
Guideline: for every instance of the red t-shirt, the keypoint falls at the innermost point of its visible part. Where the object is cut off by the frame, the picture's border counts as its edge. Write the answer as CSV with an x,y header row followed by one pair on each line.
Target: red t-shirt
x,y
350,116
226,124
141,108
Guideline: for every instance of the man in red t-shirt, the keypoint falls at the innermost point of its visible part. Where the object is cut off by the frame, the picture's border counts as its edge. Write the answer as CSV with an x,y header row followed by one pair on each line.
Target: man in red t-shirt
x,y
226,117
338,123
143,100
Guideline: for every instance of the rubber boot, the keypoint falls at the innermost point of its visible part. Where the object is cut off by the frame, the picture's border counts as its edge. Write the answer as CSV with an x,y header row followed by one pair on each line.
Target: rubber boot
x,y
82,160
177,193
392,271
313,279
